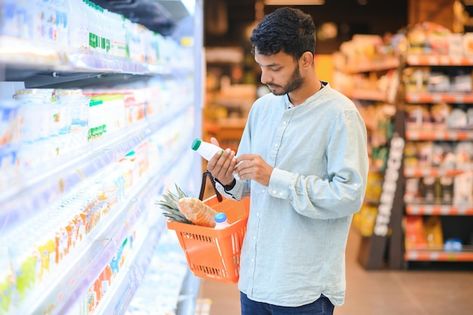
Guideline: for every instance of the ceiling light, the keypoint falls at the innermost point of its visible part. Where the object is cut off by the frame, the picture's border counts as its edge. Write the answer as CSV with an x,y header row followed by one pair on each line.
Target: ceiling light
x,y
294,2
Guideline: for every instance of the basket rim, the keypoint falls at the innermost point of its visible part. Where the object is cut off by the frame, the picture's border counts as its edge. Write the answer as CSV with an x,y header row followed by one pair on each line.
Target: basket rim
x,y
205,230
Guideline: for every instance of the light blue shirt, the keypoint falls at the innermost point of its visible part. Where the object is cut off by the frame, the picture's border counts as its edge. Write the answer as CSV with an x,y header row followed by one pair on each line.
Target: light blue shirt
x,y
294,248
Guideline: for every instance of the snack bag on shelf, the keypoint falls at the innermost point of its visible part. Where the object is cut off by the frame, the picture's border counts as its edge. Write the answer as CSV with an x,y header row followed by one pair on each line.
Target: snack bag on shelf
x,y
415,236
433,232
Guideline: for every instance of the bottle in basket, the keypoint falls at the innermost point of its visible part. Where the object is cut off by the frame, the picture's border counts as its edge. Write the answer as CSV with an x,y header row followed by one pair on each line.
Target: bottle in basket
x,y
221,221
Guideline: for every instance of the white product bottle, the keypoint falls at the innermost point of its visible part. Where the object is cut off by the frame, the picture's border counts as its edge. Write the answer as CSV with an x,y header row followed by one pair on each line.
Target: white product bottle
x,y
221,221
205,149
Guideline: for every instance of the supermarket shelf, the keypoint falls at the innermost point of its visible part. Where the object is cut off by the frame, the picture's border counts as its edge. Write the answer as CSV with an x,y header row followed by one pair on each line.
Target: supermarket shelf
x,y
38,192
47,68
425,209
423,97
124,287
129,278
381,64
446,135
438,255
439,60
368,95
433,172
81,270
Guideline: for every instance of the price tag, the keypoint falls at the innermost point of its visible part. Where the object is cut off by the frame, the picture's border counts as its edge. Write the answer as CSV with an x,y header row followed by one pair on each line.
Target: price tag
x,y
413,98
445,210
459,98
456,60
412,255
445,60
435,256
436,98
432,60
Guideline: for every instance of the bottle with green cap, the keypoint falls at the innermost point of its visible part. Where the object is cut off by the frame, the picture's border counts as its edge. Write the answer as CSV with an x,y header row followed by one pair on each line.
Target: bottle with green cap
x,y
206,149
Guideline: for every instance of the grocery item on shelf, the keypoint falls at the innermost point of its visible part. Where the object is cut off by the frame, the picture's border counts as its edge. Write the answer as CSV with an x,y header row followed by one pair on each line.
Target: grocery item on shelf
x,y
78,33
423,233
425,79
415,234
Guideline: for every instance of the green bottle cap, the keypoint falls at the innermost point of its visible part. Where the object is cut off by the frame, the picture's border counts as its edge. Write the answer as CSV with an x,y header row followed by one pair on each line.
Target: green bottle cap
x,y
196,144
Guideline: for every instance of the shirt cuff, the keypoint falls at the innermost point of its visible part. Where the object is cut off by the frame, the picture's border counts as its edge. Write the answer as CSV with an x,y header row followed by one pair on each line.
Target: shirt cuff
x,y
281,183
227,193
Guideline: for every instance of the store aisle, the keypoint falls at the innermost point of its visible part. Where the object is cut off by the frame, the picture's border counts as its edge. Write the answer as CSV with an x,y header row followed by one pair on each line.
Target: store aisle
x,y
377,293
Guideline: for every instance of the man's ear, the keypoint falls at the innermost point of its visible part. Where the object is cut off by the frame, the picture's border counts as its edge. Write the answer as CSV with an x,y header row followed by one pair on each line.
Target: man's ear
x,y
307,59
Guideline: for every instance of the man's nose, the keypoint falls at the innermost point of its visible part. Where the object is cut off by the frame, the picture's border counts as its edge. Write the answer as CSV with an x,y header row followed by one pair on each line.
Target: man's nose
x,y
265,77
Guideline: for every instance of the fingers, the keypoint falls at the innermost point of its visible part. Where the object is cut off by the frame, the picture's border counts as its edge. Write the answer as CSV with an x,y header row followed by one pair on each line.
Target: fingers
x,y
244,157
224,164
213,162
231,167
247,173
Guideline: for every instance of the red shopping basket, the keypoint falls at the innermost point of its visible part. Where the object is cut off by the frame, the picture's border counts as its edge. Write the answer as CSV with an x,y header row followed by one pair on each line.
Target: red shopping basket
x,y
215,254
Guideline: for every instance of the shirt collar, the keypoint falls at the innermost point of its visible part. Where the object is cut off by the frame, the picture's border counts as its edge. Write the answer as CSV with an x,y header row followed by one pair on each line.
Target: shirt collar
x,y
289,105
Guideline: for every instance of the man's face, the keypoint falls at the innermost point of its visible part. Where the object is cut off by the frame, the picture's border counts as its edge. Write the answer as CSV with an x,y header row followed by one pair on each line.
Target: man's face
x,y
279,72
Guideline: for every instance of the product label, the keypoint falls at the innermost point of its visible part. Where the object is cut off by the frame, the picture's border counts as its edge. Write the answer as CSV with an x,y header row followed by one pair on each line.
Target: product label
x,y
96,41
389,186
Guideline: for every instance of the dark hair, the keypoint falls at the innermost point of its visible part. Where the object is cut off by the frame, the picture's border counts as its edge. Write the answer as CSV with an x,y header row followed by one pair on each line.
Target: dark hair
x,y
286,29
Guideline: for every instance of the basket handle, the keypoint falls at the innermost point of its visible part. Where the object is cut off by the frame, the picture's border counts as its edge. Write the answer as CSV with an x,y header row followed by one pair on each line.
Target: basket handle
x,y
202,186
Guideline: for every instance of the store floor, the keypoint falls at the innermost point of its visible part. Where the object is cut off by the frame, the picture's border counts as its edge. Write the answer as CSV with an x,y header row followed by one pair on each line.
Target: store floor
x,y
377,293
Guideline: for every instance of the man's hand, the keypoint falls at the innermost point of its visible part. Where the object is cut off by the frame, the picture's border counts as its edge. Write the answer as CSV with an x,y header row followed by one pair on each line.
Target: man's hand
x,y
221,165
252,166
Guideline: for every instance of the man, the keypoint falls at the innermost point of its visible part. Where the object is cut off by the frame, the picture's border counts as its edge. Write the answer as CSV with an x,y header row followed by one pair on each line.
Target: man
x,y
303,157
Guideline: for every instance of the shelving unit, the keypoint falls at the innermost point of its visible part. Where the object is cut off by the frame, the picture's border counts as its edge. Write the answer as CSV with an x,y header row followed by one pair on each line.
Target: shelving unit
x,y
433,172
16,202
421,174
390,199
445,135
432,255
438,60
133,159
413,209
455,98
383,63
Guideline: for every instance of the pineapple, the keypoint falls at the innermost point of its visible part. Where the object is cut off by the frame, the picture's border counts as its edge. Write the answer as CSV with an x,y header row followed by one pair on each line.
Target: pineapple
x,y
178,207
169,205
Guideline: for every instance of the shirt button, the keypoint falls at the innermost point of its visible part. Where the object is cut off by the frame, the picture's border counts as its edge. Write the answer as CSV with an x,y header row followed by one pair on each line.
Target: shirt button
x,y
274,191
276,146
254,238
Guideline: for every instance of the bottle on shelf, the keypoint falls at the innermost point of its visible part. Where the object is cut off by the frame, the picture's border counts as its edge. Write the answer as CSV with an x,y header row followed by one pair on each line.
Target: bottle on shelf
x,y
206,149
221,221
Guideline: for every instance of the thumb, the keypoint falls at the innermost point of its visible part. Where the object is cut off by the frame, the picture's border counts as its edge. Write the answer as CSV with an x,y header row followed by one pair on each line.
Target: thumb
x,y
214,141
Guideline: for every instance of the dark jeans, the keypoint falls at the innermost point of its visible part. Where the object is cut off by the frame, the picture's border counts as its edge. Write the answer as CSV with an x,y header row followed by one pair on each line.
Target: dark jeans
x,y
322,306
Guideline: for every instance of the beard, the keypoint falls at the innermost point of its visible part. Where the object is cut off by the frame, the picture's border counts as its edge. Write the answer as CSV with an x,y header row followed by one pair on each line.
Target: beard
x,y
295,82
